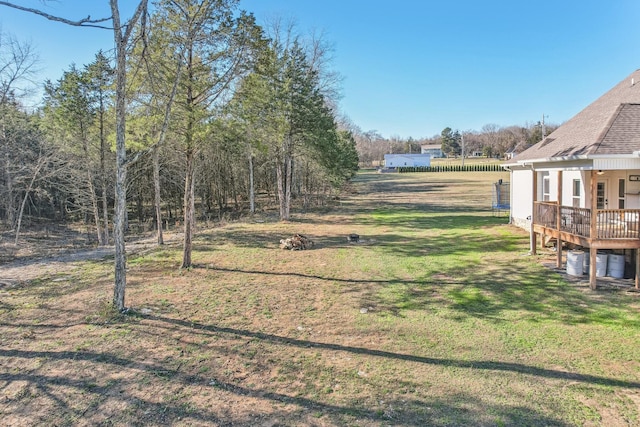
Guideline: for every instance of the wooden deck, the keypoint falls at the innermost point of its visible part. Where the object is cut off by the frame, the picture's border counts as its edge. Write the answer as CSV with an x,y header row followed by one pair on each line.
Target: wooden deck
x,y
602,229
590,228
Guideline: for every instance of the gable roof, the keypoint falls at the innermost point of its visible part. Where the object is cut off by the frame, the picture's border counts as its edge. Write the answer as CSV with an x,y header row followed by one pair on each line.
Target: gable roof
x,y
608,126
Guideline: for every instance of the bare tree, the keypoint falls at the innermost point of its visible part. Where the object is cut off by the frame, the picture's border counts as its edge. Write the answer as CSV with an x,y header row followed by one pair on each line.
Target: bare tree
x,y
18,62
122,32
47,163
17,66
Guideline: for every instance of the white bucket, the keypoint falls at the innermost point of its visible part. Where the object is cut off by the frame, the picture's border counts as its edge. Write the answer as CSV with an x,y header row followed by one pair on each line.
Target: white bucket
x,y
601,265
575,259
616,266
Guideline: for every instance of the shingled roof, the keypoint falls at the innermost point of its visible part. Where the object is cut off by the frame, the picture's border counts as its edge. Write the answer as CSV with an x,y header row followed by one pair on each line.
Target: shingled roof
x,y
608,126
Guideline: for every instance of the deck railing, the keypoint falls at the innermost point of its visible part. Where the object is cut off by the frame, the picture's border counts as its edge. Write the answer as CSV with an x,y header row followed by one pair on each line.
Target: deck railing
x,y
610,223
576,221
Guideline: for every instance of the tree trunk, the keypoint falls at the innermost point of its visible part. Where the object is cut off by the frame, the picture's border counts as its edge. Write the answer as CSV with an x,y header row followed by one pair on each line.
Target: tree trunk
x,y
121,163
283,176
280,174
252,196
10,204
94,207
288,182
234,189
189,208
19,220
103,178
105,212
39,166
140,207
156,188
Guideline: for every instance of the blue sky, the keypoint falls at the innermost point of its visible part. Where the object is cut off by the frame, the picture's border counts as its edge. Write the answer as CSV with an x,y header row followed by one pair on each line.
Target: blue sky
x,y
414,67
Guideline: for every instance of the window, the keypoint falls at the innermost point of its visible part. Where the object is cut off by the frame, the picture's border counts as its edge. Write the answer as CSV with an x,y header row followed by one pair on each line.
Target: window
x,y
621,193
577,189
601,199
546,189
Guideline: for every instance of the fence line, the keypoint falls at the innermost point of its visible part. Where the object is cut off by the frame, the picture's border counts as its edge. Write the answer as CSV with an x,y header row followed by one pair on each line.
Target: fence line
x,y
452,168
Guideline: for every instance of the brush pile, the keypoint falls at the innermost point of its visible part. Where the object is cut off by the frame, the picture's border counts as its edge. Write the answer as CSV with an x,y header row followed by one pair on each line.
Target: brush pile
x,y
296,243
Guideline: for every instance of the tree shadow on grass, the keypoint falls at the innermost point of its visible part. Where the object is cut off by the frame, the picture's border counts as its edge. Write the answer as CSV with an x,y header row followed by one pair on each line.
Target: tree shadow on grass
x,y
461,409
205,329
408,222
471,286
414,219
463,364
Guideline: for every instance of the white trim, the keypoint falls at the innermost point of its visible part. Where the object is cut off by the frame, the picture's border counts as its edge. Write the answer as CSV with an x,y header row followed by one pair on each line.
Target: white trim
x,y
634,156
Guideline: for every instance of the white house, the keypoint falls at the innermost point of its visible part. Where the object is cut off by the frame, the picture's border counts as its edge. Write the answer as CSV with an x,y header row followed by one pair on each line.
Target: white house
x,y
581,184
393,161
435,150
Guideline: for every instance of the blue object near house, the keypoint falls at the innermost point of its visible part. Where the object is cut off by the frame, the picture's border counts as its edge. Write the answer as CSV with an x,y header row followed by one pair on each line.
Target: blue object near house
x,y
501,197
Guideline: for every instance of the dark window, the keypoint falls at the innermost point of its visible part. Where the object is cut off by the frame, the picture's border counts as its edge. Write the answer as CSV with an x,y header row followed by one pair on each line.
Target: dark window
x,y
621,190
576,193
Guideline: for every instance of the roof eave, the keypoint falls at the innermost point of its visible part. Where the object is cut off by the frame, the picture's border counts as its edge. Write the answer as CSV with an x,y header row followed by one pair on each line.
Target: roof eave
x,y
525,162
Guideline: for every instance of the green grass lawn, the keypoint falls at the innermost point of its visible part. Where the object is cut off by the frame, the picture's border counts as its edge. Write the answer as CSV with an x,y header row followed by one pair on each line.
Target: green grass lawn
x,y
437,317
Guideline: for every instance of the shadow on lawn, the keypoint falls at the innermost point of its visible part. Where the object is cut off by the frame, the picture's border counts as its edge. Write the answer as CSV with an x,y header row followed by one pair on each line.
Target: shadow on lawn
x,y
462,409
474,287
464,364
470,286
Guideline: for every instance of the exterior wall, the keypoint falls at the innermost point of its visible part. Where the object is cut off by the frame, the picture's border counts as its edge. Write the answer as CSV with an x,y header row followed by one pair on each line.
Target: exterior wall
x,y
394,161
401,160
567,188
434,150
521,197
552,177
633,191
437,153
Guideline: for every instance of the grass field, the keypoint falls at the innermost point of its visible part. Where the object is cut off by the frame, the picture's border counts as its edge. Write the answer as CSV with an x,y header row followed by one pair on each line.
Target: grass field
x,y
437,317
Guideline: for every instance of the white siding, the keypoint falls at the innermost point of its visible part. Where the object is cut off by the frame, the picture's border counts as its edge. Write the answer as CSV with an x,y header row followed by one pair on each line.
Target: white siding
x,y
633,191
521,197
401,160
567,188
616,164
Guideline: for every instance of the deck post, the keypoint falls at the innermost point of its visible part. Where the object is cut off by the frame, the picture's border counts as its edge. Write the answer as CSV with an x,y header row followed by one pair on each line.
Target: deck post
x,y
593,232
559,223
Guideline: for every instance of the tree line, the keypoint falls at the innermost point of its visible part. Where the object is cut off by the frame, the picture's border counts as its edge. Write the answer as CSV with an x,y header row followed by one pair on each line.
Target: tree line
x,y
491,141
198,114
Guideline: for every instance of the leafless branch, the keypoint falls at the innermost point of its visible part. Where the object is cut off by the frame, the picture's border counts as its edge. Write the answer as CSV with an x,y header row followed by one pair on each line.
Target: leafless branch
x,y
86,22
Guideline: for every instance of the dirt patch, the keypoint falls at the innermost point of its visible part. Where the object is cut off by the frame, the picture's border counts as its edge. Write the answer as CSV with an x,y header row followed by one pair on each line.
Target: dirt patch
x,y
56,254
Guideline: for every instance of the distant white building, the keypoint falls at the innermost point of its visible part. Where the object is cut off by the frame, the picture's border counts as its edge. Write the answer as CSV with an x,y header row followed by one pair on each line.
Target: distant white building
x,y
393,161
435,150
